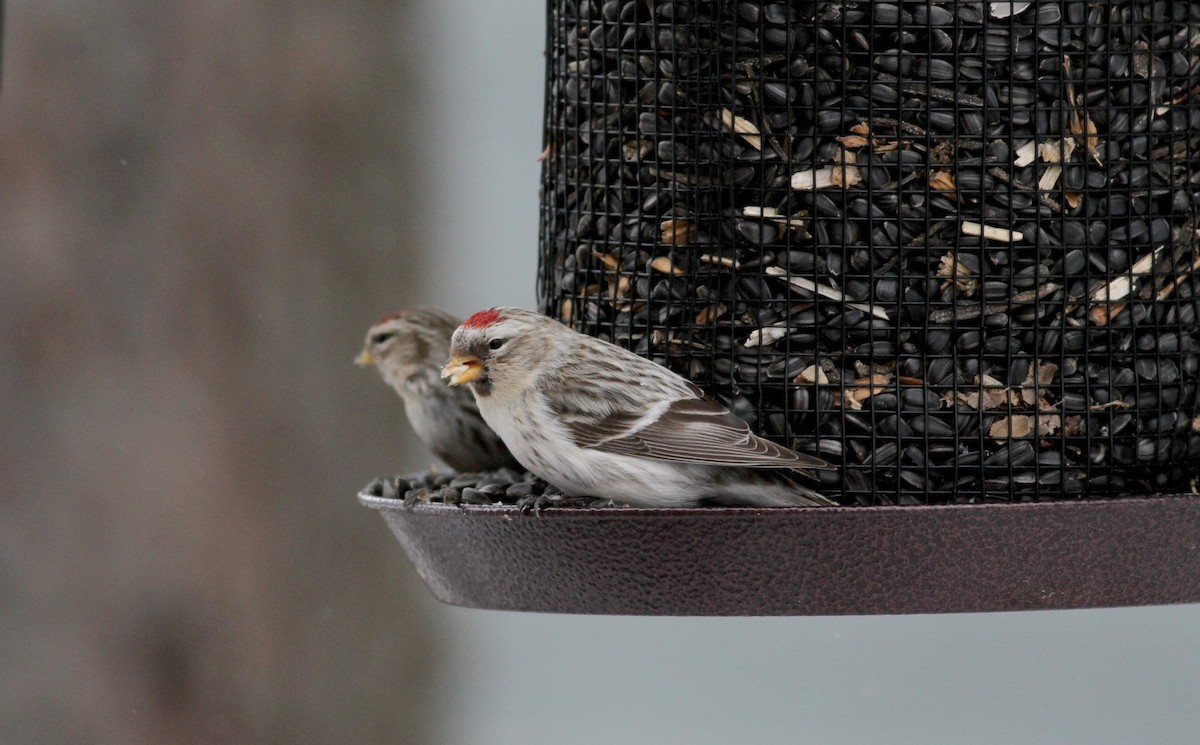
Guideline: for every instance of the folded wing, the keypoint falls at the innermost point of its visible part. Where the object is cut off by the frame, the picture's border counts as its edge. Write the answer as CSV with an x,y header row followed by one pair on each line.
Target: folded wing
x,y
688,430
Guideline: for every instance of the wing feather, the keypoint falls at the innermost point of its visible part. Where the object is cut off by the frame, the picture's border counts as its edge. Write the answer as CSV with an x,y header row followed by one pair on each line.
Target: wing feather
x,y
664,416
688,430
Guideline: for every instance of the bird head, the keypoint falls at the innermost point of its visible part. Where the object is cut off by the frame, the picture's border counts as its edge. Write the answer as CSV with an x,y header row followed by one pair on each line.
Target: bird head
x,y
403,343
500,350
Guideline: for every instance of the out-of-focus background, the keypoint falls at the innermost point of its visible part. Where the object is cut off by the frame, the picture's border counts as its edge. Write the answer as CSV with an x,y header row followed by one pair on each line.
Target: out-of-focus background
x,y
202,208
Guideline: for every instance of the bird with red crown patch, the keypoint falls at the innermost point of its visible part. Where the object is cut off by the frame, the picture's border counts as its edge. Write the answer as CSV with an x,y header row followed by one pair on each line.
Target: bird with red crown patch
x,y
597,420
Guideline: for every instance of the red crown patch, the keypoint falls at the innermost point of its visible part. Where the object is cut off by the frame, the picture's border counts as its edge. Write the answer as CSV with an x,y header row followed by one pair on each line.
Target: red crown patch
x,y
482,319
390,317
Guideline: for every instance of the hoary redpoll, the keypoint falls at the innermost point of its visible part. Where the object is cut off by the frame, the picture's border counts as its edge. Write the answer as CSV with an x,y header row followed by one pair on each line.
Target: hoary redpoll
x,y
408,348
597,420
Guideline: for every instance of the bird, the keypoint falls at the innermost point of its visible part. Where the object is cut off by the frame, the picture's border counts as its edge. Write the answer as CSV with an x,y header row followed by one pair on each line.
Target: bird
x,y
408,348
594,419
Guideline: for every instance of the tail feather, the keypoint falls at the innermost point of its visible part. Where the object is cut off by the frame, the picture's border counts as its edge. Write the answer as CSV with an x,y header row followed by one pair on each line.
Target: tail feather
x,y
758,488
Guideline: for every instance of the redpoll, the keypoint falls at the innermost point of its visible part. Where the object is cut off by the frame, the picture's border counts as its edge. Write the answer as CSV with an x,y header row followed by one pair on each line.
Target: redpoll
x,y
407,348
597,420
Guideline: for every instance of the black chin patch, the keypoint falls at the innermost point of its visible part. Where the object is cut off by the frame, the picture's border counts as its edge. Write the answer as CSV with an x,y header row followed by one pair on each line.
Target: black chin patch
x,y
482,386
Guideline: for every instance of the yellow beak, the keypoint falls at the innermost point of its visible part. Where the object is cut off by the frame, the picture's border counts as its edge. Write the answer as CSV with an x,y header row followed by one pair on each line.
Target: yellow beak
x,y
365,358
461,370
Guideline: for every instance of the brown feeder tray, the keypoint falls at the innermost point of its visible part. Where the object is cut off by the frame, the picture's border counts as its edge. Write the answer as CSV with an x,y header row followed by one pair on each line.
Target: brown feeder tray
x,y
792,561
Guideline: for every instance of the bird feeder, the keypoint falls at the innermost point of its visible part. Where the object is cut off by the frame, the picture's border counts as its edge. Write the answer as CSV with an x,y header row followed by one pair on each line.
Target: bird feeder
x,y
949,246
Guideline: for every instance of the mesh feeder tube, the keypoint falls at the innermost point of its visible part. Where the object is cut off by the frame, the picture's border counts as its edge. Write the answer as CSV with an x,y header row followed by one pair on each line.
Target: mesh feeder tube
x,y
948,246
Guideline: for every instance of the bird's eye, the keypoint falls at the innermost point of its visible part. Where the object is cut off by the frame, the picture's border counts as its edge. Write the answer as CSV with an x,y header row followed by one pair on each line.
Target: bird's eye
x,y
495,343
382,336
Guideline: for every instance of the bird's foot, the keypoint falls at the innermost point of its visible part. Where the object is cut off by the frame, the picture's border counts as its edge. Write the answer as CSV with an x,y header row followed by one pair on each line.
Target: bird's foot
x,y
536,502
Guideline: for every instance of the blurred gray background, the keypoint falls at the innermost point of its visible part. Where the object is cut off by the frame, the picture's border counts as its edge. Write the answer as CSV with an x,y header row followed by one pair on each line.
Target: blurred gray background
x,y
202,208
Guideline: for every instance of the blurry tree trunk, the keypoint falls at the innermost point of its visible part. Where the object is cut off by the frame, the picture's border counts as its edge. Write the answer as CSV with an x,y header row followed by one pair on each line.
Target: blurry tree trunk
x,y
202,208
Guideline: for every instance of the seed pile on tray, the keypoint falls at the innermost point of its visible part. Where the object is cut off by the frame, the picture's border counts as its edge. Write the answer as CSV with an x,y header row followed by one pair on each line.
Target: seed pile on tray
x,y
503,487
948,246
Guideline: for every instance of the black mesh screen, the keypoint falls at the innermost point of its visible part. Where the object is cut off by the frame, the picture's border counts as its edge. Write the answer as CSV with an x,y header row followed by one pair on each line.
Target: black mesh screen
x,y
948,246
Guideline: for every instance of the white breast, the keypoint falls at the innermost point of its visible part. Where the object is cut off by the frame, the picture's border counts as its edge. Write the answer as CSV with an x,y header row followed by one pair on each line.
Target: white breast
x,y
541,443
